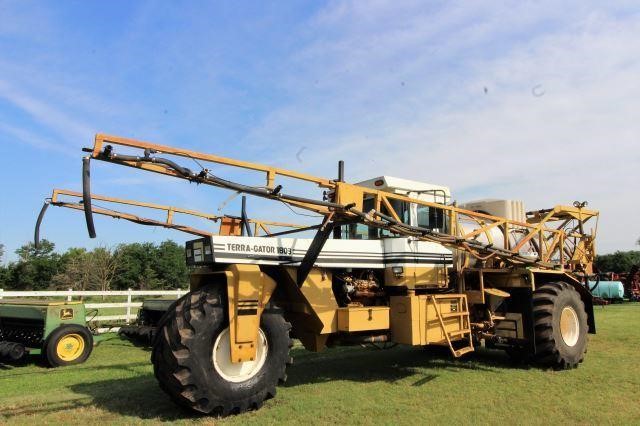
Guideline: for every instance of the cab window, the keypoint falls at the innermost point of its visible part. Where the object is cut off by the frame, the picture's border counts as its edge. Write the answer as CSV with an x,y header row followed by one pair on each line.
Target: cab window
x,y
359,231
432,218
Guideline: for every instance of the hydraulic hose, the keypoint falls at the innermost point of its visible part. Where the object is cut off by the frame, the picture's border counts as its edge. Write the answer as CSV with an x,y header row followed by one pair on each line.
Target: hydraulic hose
x,y
36,234
86,196
205,177
158,160
244,219
387,222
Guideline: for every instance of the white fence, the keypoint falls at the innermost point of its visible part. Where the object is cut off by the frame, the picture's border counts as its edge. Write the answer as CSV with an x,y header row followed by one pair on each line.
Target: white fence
x,y
127,306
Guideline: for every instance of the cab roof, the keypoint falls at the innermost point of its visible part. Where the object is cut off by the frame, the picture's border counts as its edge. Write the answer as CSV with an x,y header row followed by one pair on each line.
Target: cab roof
x,y
421,190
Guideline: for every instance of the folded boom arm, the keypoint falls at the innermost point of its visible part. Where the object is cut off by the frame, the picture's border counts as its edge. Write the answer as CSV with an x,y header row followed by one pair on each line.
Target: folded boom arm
x,y
557,245
75,200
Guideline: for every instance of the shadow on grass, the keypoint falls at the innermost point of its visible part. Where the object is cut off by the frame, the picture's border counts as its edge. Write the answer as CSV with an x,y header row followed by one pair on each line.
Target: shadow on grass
x,y
142,398
27,360
38,360
45,408
139,397
126,342
391,365
131,366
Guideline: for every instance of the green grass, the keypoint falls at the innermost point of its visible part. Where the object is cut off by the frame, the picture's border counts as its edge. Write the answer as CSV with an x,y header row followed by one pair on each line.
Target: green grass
x,y
354,385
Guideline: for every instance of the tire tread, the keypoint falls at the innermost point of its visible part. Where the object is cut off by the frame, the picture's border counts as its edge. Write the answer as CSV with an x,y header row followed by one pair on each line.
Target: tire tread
x,y
175,369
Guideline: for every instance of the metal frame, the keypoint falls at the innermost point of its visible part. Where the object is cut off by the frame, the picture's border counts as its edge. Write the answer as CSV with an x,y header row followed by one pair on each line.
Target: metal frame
x,y
271,172
558,233
557,236
59,196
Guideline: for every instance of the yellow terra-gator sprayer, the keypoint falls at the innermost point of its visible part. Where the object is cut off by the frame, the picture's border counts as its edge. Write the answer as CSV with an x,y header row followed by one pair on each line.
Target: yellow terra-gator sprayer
x,y
392,260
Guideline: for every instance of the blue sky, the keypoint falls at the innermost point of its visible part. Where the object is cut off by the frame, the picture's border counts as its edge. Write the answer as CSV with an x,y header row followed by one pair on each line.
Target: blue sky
x,y
393,88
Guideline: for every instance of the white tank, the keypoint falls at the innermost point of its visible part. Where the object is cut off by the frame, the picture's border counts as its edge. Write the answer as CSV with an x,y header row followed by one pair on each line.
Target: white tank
x,y
509,209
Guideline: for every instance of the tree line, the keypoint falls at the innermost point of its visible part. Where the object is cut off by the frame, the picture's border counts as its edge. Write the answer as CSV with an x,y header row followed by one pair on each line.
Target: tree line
x,y
618,262
143,266
140,266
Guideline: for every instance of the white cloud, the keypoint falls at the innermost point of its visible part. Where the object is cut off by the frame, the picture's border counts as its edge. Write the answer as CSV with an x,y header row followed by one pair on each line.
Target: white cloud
x,y
401,92
45,114
391,87
21,135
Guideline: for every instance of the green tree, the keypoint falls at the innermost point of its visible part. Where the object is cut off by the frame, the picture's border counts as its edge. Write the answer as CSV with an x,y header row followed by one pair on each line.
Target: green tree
x,y
620,261
30,251
3,269
147,266
86,270
148,280
103,267
170,266
35,268
75,270
137,265
135,268
71,255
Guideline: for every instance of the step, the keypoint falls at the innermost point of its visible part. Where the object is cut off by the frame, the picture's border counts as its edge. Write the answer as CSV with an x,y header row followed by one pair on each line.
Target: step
x,y
460,332
463,351
454,314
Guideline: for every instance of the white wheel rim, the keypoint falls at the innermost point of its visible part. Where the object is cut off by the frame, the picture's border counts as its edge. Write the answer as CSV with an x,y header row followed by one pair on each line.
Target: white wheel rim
x,y
569,326
238,371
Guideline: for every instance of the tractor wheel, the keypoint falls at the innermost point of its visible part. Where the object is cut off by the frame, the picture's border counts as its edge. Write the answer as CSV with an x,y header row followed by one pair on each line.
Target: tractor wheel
x,y
67,345
560,326
191,357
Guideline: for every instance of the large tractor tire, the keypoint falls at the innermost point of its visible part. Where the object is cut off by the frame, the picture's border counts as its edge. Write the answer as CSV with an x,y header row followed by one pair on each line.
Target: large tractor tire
x,y
560,326
191,357
68,344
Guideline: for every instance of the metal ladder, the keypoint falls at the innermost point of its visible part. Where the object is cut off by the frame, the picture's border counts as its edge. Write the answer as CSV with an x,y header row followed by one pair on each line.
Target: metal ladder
x,y
466,325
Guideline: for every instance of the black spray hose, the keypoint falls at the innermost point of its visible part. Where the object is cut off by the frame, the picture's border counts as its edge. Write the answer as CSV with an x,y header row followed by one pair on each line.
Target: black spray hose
x,y
86,196
204,177
36,234
157,160
389,222
244,219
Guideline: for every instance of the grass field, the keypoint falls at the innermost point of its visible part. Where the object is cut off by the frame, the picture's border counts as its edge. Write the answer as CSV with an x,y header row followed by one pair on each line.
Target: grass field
x,y
354,385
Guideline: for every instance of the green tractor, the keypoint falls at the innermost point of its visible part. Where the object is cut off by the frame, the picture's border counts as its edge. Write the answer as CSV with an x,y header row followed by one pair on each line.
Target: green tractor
x,y
56,331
